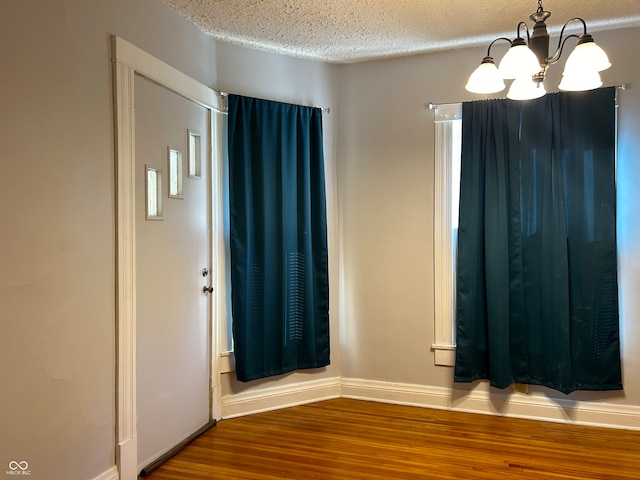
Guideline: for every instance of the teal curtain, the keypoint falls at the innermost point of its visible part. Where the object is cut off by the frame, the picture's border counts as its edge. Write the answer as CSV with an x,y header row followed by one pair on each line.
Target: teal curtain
x,y
537,294
279,259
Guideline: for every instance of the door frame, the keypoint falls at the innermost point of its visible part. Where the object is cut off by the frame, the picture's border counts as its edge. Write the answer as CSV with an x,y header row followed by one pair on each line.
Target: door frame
x,y
129,61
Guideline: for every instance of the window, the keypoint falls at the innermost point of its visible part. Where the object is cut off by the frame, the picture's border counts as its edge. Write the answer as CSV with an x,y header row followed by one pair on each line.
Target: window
x,y
448,144
153,192
175,173
194,154
222,251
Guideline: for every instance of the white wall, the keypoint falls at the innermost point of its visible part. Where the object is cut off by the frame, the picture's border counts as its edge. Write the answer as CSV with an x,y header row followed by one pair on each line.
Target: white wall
x,y
385,171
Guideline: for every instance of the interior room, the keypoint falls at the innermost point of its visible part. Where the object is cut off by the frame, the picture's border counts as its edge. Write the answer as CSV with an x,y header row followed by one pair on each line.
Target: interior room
x,y
69,408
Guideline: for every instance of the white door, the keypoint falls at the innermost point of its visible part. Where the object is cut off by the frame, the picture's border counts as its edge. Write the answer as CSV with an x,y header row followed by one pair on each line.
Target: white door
x,y
172,256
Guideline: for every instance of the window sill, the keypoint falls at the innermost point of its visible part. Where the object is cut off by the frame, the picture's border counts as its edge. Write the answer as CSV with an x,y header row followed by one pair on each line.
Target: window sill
x,y
227,362
445,355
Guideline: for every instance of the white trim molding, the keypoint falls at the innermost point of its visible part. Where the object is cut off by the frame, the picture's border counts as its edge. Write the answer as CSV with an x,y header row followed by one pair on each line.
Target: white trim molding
x,y
111,474
445,354
126,447
284,396
227,362
149,66
533,407
443,345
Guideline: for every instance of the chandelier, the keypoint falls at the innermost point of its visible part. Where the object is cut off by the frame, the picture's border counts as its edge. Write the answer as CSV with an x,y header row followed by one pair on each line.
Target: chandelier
x,y
526,62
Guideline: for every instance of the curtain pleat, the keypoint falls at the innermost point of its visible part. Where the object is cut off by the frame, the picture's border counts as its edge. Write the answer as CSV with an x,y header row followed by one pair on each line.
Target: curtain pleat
x,y
537,295
279,257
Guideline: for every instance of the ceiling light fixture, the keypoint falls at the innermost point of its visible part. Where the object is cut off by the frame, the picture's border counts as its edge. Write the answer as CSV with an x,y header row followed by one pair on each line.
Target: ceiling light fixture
x,y
526,62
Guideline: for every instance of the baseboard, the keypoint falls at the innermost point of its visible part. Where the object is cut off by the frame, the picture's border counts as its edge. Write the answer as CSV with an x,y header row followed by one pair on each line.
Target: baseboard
x,y
533,407
279,397
111,474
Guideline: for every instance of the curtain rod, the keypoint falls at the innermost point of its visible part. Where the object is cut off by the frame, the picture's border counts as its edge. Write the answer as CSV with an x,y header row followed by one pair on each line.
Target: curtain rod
x,y
326,110
431,105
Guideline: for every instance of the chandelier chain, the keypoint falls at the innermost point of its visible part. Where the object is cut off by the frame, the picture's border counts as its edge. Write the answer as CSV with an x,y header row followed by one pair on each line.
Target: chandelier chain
x,y
540,9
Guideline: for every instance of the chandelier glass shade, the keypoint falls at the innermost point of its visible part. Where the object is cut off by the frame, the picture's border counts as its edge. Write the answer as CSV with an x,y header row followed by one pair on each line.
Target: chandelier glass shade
x,y
526,62
486,78
578,82
519,61
524,88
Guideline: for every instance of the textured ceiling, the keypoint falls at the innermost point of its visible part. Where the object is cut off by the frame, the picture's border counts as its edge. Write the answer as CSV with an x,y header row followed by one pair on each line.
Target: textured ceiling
x,y
343,31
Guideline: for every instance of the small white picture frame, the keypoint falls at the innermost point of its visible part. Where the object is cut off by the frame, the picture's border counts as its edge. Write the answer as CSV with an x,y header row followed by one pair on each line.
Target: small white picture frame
x,y
194,154
153,193
176,173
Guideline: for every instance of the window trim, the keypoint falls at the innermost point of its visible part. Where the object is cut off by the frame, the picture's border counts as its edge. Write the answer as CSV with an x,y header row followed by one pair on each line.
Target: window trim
x,y
444,291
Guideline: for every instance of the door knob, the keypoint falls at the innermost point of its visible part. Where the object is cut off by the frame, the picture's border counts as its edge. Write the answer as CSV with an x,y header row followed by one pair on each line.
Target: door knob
x,y
207,290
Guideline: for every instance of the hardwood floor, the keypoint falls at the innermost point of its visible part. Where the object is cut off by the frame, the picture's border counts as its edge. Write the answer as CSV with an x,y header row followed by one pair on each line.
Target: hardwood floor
x,y
349,439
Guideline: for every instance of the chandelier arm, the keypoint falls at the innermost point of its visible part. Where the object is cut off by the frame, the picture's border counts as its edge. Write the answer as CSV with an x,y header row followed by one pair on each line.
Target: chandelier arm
x,y
487,78
526,29
561,41
558,53
497,39
584,24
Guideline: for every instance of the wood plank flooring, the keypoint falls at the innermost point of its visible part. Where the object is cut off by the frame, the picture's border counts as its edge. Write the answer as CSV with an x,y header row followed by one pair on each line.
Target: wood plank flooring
x,y
347,439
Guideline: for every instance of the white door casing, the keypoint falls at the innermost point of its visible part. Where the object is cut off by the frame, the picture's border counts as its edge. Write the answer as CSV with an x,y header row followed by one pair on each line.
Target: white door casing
x,y
128,61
